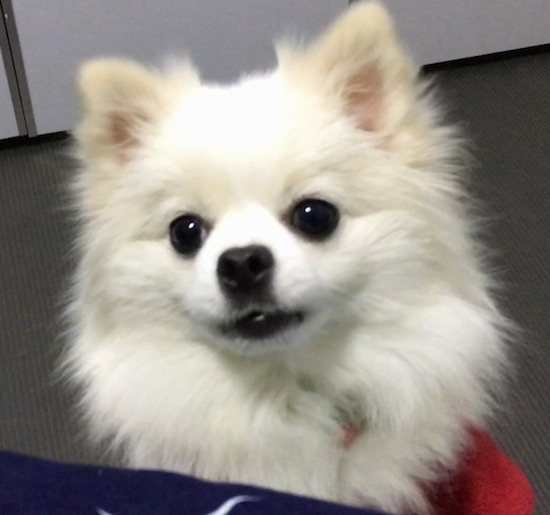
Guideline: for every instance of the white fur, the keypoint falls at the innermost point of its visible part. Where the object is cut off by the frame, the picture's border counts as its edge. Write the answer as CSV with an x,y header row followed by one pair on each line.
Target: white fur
x,y
401,327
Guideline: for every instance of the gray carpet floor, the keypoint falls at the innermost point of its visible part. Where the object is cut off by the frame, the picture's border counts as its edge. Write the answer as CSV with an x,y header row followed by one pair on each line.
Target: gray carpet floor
x,y
504,106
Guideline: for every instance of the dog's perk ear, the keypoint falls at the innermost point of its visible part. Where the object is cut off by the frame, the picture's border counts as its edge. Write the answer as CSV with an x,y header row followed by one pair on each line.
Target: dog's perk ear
x,y
360,62
121,102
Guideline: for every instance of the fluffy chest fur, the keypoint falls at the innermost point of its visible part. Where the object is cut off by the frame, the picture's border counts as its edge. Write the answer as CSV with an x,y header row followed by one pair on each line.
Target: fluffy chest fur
x,y
278,424
264,265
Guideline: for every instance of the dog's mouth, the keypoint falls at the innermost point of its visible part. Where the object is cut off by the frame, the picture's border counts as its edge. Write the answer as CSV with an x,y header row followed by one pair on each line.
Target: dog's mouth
x,y
258,324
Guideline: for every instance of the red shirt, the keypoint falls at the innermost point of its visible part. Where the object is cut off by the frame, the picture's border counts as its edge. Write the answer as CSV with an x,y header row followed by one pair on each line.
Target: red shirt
x,y
489,483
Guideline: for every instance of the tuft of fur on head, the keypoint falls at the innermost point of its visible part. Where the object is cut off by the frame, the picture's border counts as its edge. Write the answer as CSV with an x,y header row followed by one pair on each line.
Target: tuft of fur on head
x,y
399,329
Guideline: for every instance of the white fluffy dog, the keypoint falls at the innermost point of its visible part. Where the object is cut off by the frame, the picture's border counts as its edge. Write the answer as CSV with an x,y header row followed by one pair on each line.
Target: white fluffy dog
x,y
278,282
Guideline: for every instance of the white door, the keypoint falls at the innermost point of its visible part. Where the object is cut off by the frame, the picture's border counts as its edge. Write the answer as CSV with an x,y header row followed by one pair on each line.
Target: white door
x,y
445,30
225,38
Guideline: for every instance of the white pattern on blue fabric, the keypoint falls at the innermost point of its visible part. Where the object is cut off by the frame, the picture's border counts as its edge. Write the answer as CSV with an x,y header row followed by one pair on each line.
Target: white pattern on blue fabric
x,y
224,509
228,505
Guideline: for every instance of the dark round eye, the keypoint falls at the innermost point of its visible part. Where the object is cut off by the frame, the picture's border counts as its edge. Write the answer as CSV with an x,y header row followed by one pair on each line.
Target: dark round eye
x,y
187,234
315,218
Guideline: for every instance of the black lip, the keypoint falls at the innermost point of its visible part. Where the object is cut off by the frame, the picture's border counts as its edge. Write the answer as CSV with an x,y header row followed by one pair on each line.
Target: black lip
x,y
258,324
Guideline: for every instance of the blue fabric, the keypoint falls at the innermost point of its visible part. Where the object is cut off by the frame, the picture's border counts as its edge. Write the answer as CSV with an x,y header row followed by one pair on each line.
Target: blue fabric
x,y
29,486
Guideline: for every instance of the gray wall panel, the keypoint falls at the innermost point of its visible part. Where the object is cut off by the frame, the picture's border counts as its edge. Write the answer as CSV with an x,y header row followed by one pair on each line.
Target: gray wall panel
x,y
8,124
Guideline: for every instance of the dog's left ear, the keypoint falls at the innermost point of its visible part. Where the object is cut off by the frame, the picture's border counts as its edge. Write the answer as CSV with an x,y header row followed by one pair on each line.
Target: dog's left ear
x,y
122,101
359,62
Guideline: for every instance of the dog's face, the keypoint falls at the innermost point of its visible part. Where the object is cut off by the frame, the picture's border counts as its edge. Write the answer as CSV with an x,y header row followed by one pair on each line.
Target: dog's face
x,y
267,214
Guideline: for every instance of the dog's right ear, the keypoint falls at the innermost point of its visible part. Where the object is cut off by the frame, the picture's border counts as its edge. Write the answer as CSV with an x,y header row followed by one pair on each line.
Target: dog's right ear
x,y
360,65
122,102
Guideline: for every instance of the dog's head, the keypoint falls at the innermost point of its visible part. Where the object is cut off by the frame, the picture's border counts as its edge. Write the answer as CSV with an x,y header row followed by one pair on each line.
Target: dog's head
x,y
271,212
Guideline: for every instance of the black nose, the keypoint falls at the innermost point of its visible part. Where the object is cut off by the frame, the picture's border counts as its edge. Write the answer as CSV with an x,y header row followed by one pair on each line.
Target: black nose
x,y
245,270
